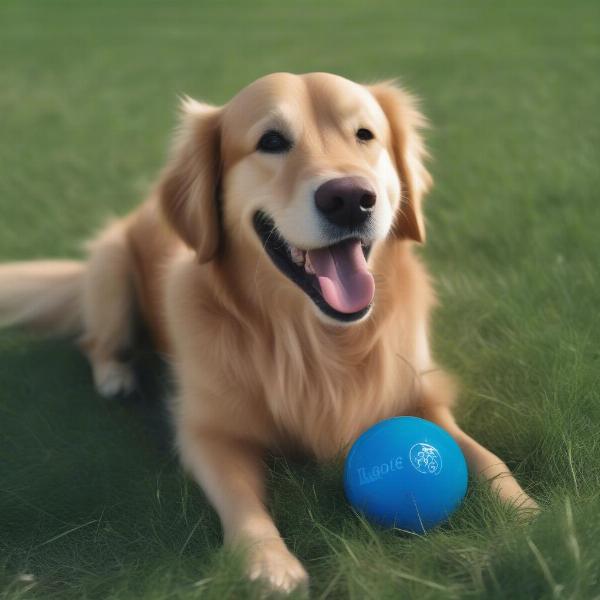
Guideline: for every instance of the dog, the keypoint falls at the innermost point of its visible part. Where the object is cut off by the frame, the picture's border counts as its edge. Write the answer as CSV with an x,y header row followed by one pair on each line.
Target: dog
x,y
273,264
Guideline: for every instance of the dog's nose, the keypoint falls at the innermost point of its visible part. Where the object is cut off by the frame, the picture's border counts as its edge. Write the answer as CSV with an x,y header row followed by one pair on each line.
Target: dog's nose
x,y
346,201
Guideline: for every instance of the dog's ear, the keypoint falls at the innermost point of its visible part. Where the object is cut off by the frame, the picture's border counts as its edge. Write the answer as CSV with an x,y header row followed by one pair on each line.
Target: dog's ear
x,y
190,183
409,153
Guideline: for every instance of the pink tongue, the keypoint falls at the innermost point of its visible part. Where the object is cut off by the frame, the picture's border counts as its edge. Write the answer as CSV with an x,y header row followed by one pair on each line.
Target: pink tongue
x,y
346,283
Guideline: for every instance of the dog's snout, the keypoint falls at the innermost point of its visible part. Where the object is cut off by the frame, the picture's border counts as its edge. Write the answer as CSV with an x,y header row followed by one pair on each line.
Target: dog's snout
x,y
346,201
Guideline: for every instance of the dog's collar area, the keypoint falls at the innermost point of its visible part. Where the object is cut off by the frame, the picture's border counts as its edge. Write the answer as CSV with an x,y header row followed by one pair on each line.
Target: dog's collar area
x,y
289,261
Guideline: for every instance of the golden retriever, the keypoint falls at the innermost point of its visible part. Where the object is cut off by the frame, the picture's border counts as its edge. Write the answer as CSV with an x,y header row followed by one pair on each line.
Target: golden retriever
x,y
273,263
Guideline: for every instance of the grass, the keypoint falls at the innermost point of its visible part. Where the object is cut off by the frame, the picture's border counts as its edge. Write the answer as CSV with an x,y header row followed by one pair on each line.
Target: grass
x,y
92,503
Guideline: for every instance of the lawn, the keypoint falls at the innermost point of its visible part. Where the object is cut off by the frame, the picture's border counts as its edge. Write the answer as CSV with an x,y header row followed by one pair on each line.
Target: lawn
x,y
92,502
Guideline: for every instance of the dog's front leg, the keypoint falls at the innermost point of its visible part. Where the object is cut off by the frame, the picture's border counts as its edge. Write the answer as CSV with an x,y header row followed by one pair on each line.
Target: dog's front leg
x,y
482,462
439,392
231,473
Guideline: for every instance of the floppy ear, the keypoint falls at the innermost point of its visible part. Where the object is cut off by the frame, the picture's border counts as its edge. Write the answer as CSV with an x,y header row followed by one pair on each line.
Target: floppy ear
x,y
409,153
189,185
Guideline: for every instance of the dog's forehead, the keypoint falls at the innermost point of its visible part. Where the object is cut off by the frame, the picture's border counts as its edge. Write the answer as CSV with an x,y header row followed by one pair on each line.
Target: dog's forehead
x,y
279,93
337,98
317,97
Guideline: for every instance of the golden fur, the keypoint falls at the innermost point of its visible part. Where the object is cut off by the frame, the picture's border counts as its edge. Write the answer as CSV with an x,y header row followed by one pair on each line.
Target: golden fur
x,y
257,367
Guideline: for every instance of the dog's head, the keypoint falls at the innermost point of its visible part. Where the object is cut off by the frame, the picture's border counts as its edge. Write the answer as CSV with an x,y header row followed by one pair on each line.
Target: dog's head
x,y
312,169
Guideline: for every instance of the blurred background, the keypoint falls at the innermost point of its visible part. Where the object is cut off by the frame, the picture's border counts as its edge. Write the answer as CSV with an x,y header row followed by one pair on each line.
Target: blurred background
x,y
92,503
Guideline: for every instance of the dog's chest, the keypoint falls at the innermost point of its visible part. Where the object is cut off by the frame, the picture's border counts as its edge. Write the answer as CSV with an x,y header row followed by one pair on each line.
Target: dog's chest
x,y
324,395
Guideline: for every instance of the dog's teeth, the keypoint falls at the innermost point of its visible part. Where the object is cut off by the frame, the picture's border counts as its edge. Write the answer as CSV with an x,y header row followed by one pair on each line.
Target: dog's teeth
x,y
308,266
297,255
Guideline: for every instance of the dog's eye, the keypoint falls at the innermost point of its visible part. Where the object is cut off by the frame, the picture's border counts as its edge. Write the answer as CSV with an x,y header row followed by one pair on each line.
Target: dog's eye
x,y
364,135
273,142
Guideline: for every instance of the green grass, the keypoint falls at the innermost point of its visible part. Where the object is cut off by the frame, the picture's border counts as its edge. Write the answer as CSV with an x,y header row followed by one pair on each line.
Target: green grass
x,y
92,503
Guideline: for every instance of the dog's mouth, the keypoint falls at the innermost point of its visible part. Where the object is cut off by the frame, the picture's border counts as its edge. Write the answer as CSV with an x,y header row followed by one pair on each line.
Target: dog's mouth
x,y
336,278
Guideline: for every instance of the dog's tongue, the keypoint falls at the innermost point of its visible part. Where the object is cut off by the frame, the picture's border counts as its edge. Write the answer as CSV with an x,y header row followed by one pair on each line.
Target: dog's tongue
x,y
346,283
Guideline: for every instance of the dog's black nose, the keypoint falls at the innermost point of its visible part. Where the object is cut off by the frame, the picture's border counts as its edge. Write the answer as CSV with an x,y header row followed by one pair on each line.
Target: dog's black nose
x,y
346,201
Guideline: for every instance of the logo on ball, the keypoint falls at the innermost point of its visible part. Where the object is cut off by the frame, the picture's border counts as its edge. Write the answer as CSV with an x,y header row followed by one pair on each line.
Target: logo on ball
x,y
425,459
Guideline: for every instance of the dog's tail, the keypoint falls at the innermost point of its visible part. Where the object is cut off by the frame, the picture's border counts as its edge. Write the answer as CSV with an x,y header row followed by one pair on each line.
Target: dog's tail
x,y
45,295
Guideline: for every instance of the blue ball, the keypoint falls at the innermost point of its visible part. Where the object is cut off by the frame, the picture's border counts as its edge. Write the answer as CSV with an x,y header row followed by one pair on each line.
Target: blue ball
x,y
405,472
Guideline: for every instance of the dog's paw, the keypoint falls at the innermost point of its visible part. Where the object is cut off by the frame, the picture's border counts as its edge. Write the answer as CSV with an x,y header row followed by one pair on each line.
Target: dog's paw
x,y
527,508
113,378
271,563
